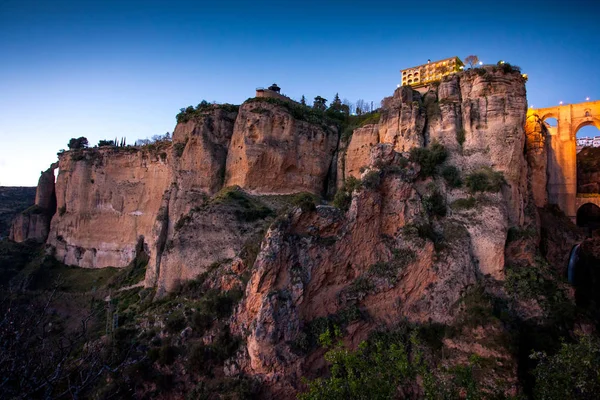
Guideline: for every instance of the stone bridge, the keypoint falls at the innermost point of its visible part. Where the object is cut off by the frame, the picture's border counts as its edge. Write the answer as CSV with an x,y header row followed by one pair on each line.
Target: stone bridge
x,y
562,152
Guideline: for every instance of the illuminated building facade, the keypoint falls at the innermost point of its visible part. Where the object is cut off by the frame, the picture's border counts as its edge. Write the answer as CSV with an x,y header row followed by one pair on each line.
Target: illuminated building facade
x,y
425,74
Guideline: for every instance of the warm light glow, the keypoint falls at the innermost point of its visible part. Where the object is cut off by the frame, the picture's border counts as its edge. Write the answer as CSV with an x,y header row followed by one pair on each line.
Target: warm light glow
x,y
501,62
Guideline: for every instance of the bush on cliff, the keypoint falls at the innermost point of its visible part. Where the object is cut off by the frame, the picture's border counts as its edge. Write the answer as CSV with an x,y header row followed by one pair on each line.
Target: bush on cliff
x,y
428,158
343,197
372,180
485,180
79,143
300,112
202,109
452,176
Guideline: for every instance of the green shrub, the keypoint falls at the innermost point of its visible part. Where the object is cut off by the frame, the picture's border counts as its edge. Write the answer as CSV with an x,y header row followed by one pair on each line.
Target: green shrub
x,y
182,221
485,180
389,270
371,180
201,322
463,204
461,136
343,197
572,373
435,204
167,354
175,322
306,201
515,233
247,208
428,158
178,149
451,175
508,68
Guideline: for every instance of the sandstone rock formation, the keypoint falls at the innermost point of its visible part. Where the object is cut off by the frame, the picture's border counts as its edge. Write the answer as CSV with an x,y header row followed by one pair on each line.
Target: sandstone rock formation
x,y
272,152
107,199
34,223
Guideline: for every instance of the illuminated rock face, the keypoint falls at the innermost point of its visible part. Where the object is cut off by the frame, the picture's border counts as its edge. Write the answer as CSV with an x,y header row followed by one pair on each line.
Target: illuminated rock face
x,y
562,150
272,152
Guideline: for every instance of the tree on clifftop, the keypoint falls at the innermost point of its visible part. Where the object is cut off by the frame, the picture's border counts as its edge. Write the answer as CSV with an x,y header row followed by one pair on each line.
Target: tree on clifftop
x,y
79,143
320,103
471,60
303,100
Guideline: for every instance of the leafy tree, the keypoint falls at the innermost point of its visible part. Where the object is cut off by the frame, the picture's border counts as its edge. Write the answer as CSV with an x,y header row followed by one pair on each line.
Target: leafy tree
x,y
572,373
471,60
104,143
320,103
374,371
79,143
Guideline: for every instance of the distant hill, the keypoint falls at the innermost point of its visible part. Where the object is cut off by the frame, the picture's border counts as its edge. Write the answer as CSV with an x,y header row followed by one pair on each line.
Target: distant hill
x,y
13,200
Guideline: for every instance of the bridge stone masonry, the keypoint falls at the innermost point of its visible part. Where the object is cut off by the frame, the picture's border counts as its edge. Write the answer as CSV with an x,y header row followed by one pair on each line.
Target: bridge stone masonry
x,y
561,150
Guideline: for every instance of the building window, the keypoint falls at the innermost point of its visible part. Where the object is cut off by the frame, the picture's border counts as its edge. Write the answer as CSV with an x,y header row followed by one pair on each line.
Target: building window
x,y
587,114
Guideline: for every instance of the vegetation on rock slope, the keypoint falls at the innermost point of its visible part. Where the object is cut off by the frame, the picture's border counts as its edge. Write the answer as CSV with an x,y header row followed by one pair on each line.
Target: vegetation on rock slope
x,y
13,200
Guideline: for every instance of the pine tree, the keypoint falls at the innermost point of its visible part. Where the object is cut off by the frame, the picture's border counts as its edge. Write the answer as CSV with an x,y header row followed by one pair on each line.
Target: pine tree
x,y
303,100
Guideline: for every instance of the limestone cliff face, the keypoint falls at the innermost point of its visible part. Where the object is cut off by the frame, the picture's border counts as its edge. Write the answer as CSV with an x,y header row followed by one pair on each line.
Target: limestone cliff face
x,y
325,262
588,170
272,152
34,223
537,158
106,200
479,116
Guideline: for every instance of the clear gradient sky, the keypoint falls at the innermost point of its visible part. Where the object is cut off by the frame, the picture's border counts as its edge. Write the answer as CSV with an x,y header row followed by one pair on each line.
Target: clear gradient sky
x,y
107,68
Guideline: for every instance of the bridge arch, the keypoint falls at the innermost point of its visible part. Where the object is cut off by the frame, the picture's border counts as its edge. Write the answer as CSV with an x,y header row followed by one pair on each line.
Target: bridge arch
x,y
588,214
561,149
589,121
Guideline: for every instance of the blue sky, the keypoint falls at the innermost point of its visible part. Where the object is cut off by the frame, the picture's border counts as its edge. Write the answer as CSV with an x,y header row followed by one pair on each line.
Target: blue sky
x,y
108,68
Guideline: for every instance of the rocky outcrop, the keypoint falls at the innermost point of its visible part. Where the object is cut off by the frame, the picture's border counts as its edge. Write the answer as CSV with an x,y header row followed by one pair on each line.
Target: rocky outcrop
x,y
588,170
479,117
226,223
272,152
107,199
371,259
34,222
537,158
402,120
359,149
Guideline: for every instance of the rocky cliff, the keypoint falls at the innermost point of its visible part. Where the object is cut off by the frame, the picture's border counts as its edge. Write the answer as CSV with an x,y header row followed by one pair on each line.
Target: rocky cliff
x,y
34,222
588,170
426,199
